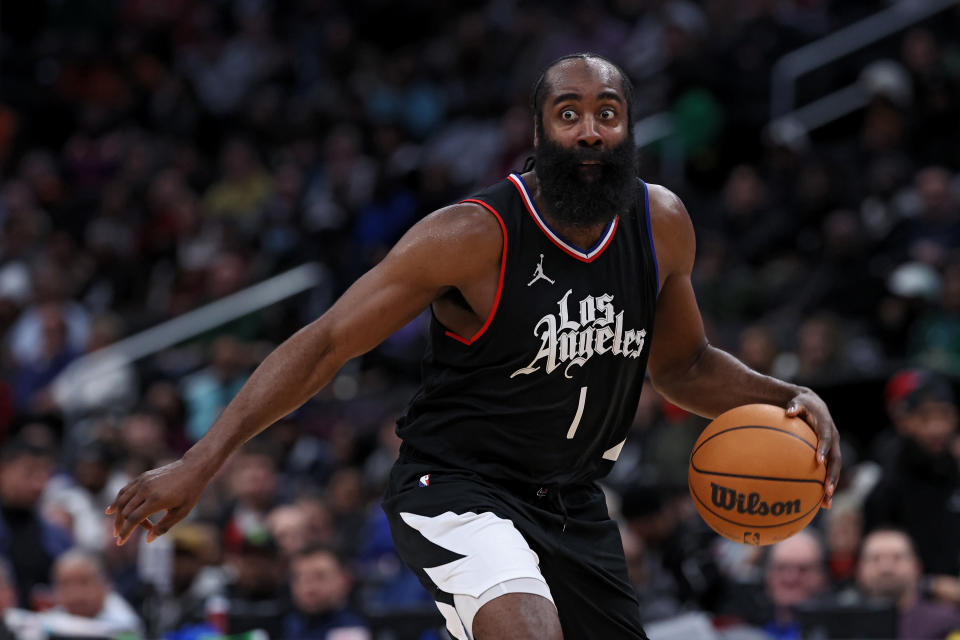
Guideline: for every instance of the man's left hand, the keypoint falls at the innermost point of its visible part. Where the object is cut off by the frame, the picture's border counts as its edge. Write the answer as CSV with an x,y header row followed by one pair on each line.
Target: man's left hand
x,y
811,409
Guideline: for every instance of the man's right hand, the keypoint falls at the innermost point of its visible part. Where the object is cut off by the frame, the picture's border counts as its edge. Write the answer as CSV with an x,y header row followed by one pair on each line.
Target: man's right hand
x,y
174,488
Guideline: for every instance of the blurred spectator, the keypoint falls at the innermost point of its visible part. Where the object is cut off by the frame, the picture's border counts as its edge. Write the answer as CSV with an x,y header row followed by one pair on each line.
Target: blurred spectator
x,y
843,533
917,492
82,588
348,508
890,570
30,337
196,579
84,493
935,228
820,356
758,348
33,376
28,540
679,567
935,338
207,392
842,281
109,384
244,188
289,526
252,487
143,441
320,587
255,598
796,575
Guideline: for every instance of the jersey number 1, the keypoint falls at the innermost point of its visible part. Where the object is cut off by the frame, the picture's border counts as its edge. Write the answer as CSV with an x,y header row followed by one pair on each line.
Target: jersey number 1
x,y
576,419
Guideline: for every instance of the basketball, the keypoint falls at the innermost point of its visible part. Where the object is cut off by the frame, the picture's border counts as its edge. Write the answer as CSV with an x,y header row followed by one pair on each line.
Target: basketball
x,y
754,476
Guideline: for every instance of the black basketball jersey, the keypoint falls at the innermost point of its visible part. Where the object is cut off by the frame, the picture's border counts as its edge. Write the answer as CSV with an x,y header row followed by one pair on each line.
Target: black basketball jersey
x,y
545,392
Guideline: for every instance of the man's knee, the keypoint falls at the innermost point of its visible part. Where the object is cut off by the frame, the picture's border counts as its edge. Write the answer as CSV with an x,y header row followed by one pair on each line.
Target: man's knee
x,y
519,616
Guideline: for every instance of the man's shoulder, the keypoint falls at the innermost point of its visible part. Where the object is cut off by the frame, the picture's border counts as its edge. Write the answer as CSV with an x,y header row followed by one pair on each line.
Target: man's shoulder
x,y
465,222
664,203
673,234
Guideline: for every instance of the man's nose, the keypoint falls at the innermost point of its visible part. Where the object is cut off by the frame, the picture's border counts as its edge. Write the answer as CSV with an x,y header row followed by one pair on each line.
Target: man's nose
x,y
589,133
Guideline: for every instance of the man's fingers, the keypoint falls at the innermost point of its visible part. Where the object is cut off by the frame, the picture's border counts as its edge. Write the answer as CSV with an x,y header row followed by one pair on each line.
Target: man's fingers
x,y
172,517
833,468
136,518
123,498
825,440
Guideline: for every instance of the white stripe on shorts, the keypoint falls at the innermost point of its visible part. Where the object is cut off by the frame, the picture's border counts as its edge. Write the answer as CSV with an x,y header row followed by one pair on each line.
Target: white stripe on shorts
x,y
494,553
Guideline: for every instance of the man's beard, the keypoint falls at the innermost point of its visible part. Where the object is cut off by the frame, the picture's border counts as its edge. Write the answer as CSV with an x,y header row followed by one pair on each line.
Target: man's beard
x,y
584,196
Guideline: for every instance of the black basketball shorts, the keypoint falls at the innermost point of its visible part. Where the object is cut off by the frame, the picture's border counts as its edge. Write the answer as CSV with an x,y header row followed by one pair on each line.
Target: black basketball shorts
x,y
469,539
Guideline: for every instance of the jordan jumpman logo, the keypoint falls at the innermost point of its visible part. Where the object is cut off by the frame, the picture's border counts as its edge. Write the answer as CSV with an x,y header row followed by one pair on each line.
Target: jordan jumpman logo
x,y
538,273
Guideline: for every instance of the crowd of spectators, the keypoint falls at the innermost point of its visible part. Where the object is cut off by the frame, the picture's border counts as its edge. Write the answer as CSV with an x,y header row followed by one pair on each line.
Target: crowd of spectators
x,y
157,156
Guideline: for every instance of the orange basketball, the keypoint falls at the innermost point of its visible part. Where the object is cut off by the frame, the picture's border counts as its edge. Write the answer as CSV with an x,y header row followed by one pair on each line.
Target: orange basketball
x,y
754,475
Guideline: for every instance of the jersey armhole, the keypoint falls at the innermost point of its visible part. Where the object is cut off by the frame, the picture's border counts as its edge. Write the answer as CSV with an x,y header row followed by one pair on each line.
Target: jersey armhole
x,y
653,247
496,299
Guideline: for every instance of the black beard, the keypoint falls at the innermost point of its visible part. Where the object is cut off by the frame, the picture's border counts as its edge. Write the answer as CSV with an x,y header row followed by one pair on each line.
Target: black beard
x,y
585,196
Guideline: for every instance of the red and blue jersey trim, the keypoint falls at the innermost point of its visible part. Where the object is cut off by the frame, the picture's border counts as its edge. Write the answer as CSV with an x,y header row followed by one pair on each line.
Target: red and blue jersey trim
x,y
588,255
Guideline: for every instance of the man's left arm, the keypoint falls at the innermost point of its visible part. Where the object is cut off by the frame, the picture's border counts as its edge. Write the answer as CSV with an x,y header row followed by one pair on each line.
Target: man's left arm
x,y
690,372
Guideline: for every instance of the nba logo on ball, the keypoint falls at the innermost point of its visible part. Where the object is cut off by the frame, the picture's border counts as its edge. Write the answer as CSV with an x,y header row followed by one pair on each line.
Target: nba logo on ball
x,y
753,474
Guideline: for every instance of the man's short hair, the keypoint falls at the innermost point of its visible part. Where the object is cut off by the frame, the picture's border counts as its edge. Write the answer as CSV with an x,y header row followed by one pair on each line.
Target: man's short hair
x,y
77,555
889,529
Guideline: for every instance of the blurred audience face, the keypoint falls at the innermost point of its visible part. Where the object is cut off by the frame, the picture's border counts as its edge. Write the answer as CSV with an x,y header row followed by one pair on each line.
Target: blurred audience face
x,y
345,491
227,358
744,192
254,480
817,344
8,589
795,571
257,571
889,567
92,474
319,582
79,585
933,187
289,526
23,478
844,530
319,520
757,348
932,425
144,436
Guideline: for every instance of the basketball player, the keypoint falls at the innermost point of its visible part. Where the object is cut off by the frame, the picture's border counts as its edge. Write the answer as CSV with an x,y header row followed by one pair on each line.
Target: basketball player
x,y
550,291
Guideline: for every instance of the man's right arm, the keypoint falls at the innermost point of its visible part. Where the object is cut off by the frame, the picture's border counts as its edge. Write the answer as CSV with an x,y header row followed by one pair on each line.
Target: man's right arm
x,y
458,246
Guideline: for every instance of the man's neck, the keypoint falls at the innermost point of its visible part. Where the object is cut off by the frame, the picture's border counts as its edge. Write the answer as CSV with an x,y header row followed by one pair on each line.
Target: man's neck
x,y
576,235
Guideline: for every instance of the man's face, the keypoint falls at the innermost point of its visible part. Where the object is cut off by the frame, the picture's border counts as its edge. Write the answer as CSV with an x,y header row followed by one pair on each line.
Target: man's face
x,y
319,583
888,567
80,589
795,571
585,156
22,480
254,480
932,425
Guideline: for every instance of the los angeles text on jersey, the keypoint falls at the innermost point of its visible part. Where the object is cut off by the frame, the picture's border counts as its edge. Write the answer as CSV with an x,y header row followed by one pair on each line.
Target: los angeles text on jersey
x,y
571,342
